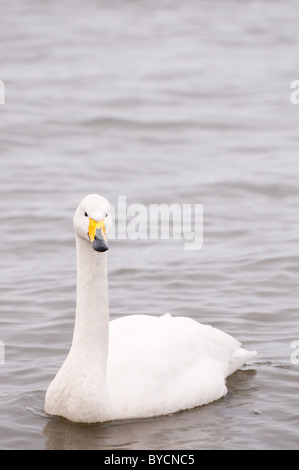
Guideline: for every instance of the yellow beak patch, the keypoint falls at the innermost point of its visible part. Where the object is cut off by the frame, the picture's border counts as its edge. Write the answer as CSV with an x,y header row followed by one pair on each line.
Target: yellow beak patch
x,y
93,226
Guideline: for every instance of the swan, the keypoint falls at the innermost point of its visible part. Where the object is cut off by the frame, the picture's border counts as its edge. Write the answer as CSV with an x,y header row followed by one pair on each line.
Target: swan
x,y
137,366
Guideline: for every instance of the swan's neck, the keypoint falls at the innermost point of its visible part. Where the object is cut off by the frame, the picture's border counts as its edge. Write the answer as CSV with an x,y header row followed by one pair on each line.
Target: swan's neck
x,y
91,334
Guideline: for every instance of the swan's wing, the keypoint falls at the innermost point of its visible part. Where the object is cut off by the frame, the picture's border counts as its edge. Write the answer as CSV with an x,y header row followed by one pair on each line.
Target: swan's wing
x,y
158,365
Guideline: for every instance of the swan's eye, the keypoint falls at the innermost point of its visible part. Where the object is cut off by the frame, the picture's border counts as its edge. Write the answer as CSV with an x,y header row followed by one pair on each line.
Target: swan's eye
x,y
106,215
85,213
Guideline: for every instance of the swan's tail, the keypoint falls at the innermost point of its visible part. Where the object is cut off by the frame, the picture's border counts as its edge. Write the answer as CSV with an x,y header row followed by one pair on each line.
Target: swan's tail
x,y
238,359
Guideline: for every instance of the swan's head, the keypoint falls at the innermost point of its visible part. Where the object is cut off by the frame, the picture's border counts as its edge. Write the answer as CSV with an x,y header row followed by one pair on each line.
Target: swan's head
x,y
92,220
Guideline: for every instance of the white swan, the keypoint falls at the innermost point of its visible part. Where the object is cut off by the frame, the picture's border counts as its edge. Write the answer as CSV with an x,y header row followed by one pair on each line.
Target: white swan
x,y
137,366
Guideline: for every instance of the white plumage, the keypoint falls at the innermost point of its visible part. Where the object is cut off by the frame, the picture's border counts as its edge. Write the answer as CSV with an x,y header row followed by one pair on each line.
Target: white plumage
x,y
139,365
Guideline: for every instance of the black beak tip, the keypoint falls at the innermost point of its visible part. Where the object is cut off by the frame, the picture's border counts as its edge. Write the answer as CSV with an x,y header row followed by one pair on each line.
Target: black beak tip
x,y
99,245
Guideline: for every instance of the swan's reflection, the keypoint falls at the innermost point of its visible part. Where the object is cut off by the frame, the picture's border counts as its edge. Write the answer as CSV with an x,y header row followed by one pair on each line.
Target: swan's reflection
x,y
164,432
202,427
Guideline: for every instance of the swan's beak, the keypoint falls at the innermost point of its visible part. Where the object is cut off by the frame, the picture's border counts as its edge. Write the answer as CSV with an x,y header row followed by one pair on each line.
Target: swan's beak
x,y
97,234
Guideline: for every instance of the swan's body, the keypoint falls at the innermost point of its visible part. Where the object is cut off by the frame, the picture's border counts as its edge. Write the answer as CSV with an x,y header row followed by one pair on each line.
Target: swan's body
x,y
136,366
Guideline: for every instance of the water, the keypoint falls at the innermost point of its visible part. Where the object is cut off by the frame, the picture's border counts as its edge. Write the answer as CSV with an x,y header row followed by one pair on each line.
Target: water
x,y
185,102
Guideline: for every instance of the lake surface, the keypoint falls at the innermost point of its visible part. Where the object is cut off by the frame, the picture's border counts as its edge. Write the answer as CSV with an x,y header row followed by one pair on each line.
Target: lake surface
x,y
161,102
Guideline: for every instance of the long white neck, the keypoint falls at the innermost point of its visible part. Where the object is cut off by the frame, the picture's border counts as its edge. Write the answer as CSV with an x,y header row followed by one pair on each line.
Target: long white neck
x,y
91,333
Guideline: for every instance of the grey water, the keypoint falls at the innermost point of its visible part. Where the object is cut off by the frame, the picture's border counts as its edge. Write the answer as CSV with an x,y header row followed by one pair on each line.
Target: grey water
x,y
161,102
